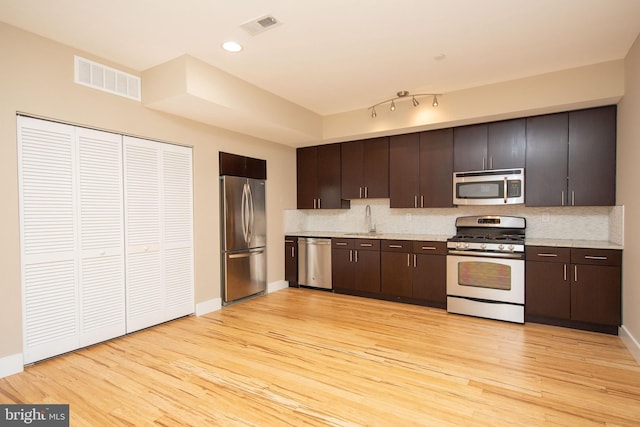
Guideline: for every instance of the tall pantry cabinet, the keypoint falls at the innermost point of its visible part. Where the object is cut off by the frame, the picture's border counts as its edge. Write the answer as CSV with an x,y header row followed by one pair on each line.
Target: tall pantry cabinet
x,y
81,224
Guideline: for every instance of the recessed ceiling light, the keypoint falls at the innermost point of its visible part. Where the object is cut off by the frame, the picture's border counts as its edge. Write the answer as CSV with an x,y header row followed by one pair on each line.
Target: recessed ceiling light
x,y
232,46
440,57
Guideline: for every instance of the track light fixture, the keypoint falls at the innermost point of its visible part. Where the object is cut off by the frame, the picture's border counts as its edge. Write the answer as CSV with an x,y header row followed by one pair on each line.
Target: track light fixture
x,y
401,95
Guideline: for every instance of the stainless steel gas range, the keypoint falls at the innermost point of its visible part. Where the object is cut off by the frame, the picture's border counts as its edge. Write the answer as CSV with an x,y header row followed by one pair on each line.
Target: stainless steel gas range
x,y
485,267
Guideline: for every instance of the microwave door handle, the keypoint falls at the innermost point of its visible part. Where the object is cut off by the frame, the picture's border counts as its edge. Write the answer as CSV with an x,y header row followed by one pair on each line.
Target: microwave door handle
x,y
505,189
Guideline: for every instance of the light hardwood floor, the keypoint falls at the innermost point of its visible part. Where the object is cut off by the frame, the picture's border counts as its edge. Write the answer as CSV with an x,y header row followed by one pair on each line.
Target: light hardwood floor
x,y
304,357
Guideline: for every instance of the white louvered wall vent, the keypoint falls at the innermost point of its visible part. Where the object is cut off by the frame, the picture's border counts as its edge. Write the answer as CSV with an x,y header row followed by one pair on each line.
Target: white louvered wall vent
x,y
101,77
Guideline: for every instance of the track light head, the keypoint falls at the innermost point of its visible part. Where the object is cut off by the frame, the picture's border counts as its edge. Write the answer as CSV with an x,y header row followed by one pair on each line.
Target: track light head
x,y
414,101
393,105
435,101
373,112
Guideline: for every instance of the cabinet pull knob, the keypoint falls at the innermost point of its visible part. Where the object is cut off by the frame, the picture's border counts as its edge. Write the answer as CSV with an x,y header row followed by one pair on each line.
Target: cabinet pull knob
x,y
365,245
601,258
341,244
548,255
428,248
395,246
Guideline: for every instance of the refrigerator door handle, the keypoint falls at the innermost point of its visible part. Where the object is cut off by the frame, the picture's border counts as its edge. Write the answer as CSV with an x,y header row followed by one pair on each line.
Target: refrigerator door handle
x,y
243,214
250,227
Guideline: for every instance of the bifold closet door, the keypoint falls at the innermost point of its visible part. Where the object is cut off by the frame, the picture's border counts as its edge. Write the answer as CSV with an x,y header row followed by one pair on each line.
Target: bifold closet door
x,y
159,232
72,242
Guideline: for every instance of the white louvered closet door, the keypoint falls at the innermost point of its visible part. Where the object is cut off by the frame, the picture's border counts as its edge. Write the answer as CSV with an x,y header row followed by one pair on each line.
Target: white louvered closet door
x,y
101,236
178,230
143,222
159,229
72,237
46,159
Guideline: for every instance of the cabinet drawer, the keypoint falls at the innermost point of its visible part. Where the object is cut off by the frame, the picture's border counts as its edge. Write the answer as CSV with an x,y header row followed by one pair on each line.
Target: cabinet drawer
x,y
430,248
596,256
396,246
367,244
547,254
341,243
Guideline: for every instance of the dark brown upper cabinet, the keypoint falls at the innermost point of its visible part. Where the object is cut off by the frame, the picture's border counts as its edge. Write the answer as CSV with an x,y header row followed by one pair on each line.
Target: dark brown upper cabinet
x,y
571,158
318,177
496,145
365,168
421,169
247,167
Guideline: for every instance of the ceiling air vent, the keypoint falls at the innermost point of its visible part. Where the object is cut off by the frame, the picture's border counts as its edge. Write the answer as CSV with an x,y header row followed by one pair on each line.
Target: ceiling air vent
x,y
101,77
259,25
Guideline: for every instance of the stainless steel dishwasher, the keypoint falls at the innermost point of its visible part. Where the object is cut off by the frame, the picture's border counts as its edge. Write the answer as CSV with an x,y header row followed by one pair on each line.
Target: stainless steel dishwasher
x,y
314,262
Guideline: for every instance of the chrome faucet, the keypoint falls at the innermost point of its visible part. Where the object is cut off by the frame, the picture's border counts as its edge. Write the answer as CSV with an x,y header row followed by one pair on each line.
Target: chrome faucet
x,y
371,228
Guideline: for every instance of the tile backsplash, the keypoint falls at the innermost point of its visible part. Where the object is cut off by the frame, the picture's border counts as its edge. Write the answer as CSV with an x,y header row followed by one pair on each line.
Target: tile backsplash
x,y
578,223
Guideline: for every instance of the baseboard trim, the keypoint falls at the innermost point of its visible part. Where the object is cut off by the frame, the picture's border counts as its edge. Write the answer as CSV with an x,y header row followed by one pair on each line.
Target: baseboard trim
x,y
631,342
10,365
277,286
208,306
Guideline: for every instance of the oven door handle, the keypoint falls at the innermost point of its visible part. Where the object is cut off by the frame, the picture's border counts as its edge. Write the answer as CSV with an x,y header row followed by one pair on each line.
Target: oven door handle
x,y
486,254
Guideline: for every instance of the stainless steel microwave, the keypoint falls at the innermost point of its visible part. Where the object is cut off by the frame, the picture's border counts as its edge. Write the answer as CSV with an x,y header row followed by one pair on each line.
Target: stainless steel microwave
x,y
489,187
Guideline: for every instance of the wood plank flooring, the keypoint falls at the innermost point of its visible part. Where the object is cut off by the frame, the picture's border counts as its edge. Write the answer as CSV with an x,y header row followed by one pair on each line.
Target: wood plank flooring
x,y
305,357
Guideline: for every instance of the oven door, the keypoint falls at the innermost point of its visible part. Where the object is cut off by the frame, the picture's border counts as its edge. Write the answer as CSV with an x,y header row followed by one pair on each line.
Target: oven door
x,y
486,278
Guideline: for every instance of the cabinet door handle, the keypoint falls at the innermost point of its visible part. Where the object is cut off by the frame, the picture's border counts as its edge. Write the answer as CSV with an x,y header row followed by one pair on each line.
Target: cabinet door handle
x,y
415,260
350,255
341,244
573,198
293,255
482,164
314,203
562,198
491,162
360,192
395,246
408,260
428,248
575,273
548,255
601,258
505,189
415,201
565,272
319,199
422,201
366,192
288,241
365,245
356,251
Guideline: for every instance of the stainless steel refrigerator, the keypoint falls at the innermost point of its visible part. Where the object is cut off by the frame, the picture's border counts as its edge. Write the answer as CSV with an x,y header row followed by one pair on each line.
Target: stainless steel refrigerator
x,y
244,237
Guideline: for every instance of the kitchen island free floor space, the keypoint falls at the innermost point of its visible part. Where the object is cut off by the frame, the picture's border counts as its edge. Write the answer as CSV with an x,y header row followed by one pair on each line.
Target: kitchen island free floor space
x,y
306,357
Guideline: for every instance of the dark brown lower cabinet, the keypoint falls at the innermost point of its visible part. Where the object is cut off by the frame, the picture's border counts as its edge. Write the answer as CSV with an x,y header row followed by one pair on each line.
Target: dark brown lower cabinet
x,y
414,271
574,287
355,265
291,260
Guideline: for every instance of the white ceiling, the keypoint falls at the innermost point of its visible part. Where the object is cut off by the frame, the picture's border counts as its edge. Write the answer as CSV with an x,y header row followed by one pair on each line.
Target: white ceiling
x,y
331,56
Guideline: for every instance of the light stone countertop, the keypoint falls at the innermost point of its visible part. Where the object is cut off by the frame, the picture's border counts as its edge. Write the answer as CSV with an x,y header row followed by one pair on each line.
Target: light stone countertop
x,y
380,236
567,243
593,244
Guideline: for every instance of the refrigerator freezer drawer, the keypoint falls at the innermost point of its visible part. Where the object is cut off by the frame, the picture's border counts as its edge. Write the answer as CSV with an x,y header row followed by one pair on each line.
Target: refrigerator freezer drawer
x,y
245,274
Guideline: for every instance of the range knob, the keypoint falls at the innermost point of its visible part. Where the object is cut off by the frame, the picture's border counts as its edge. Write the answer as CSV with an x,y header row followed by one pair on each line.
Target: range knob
x,y
483,246
510,248
458,245
501,247
466,246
